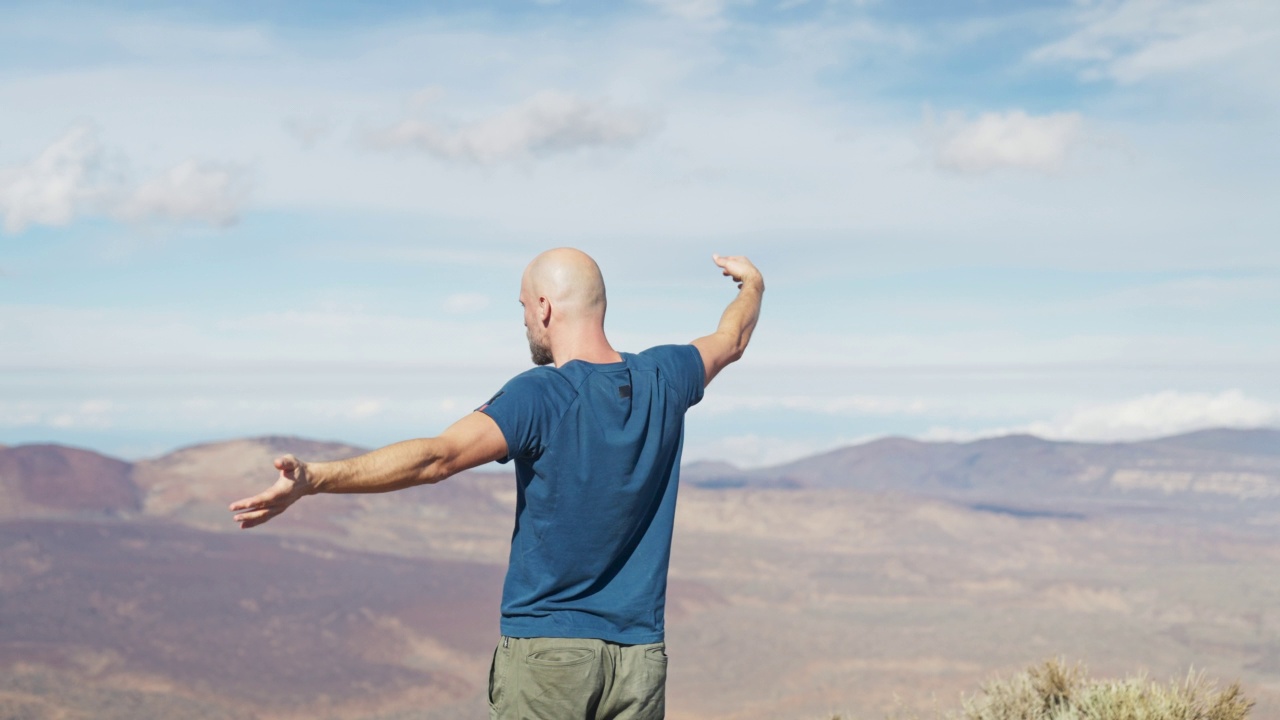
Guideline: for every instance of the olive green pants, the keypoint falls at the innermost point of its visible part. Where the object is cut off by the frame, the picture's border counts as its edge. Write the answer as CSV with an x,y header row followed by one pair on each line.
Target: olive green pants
x,y
577,679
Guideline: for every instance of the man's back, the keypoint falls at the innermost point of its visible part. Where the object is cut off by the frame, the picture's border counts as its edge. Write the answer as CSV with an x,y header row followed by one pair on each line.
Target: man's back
x,y
597,451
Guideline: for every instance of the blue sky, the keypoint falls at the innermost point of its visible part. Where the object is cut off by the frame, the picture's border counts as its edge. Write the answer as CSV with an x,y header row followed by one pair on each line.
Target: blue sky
x,y
310,218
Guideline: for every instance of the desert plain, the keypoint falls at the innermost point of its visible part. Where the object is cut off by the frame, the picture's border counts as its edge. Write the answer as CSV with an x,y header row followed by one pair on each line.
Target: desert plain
x,y
882,580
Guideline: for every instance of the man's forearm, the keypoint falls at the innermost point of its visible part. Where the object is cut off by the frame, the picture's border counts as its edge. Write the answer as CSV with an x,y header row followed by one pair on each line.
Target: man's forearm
x,y
402,465
739,319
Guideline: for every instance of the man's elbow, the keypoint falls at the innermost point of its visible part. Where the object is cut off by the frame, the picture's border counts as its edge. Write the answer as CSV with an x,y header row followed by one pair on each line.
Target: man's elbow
x,y
437,465
431,478
735,347
438,470
725,359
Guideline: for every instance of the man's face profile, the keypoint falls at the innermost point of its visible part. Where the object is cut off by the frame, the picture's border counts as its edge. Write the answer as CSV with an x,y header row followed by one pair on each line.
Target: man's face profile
x,y
538,347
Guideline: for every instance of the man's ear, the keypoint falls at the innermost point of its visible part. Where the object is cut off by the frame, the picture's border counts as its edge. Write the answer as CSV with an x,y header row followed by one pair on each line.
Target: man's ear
x,y
544,311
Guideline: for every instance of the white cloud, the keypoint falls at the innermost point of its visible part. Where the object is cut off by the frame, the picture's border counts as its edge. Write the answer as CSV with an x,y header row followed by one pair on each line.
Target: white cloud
x,y
546,124
65,181
1132,40
55,186
691,9
96,413
1157,415
191,191
1003,140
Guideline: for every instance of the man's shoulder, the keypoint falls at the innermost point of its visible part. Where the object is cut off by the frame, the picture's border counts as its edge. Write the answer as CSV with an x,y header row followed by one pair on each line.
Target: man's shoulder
x,y
667,350
666,354
680,366
541,377
540,387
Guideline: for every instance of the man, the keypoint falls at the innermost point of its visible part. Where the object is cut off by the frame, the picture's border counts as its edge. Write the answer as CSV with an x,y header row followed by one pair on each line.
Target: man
x,y
596,437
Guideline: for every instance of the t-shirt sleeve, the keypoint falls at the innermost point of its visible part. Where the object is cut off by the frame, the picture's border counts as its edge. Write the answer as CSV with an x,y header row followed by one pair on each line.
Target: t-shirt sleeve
x,y
525,412
683,370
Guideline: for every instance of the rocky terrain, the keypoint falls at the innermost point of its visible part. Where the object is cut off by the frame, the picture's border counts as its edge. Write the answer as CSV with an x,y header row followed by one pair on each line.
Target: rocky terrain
x,y
890,575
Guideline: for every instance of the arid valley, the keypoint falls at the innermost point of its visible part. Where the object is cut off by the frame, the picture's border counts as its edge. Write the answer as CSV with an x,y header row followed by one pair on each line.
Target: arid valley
x,y
886,578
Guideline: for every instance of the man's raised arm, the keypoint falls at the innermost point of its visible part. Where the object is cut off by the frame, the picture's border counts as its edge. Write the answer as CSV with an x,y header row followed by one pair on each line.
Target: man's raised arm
x,y
730,339
473,440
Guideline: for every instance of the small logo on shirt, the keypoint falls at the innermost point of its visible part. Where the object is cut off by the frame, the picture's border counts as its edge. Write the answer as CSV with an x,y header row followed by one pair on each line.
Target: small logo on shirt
x,y
485,406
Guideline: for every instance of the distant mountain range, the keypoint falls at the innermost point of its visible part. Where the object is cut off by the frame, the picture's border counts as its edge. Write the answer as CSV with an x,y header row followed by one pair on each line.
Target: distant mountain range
x,y
1222,470
126,591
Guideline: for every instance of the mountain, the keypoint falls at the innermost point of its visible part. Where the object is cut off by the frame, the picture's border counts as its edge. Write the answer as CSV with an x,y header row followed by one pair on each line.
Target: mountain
x,y
1258,441
1218,470
881,578
52,479
127,591
194,485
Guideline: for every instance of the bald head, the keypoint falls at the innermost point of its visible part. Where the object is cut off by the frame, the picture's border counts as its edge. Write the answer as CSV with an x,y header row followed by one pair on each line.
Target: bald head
x,y
562,292
570,280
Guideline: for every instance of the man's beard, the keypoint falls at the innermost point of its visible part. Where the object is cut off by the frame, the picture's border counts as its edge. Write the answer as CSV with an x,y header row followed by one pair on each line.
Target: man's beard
x,y
541,353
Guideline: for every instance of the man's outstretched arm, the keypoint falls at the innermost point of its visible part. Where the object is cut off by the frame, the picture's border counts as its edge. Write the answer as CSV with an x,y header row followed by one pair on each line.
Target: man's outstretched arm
x,y
473,440
730,339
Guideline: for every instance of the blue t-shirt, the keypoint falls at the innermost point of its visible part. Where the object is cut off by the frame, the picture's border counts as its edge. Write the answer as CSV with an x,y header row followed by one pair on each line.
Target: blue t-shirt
x,y
597,453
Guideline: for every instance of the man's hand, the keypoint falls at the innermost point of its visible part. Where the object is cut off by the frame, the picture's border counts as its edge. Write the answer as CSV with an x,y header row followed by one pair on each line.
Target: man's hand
x,y
740,269
293,483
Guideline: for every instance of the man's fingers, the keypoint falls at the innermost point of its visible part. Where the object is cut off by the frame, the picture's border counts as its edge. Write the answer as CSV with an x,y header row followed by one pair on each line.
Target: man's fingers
x,y
726,262
260,514
243,504
286,463
247,521
253,503
737,267
250,503
271,497
255,515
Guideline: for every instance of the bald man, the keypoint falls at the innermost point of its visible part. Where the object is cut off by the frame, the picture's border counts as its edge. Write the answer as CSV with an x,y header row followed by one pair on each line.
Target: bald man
x,y
596,437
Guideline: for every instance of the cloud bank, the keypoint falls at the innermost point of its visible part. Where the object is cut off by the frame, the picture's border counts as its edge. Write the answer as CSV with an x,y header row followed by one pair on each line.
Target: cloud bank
x,y
691,9
69,179
55,186
1157,415
1134,40
993,141
548,123
192,191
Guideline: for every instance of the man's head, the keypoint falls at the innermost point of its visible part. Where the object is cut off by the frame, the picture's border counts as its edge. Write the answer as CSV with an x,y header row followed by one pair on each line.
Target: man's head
x,y
562,292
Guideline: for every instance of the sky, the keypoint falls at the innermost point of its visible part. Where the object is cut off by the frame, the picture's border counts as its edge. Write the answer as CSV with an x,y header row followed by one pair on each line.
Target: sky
x,y
234,219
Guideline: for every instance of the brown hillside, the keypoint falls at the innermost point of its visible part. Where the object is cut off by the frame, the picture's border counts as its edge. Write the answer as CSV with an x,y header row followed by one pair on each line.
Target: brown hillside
x,y
194,485
39,479
243,621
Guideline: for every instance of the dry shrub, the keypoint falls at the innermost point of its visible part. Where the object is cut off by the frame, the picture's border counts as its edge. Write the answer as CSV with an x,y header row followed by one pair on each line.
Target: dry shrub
x,y
1053,691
